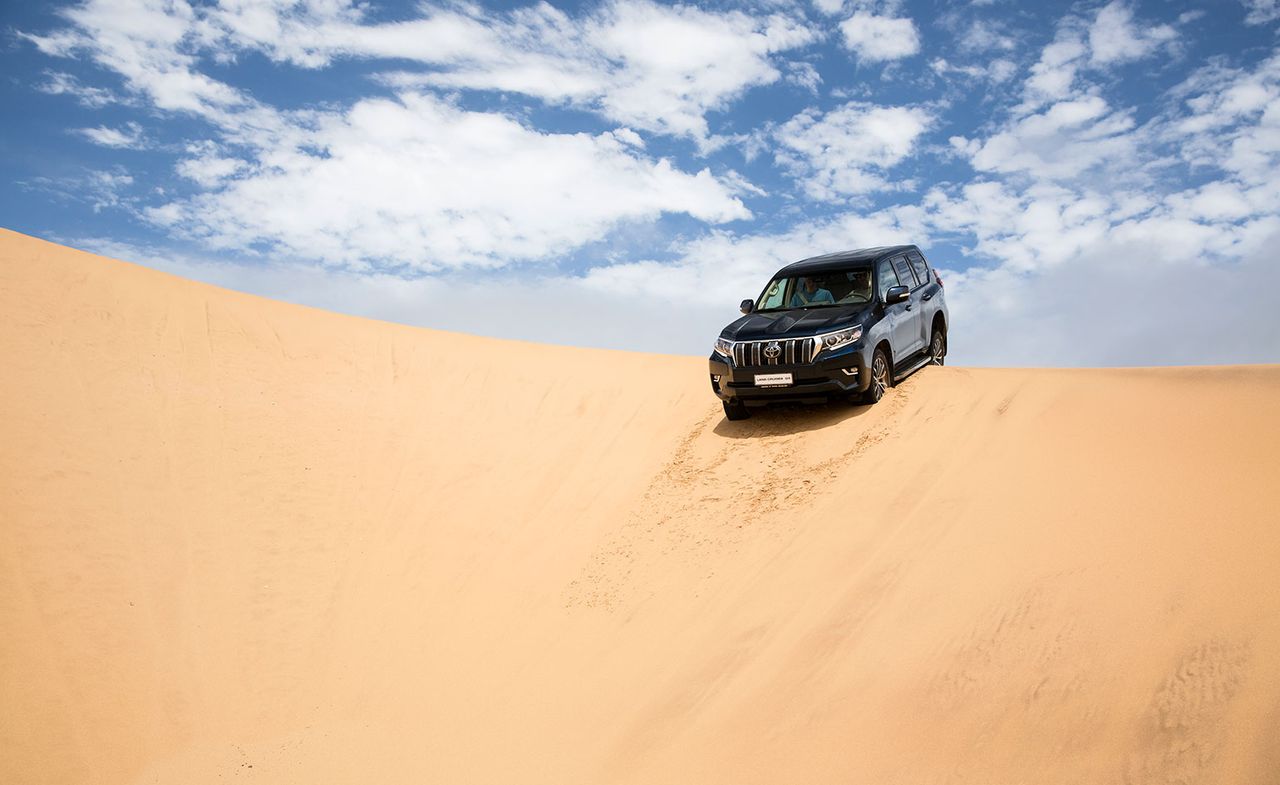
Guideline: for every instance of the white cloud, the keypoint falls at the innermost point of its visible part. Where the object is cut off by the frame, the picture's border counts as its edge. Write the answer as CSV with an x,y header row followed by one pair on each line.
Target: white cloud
x,y
1218,96
206,168
849,149
1066,140
1262,11
1043,226
804,75
1089,181
423,183
942,67
99,188
1053,76
129,137
143,41
653,67
312,33
104,188
1064,129
1231,120
59,83
879,38
1217,201
678,63
627,136
1026,230
997,71
1001,70
983,35
418,182
1114,38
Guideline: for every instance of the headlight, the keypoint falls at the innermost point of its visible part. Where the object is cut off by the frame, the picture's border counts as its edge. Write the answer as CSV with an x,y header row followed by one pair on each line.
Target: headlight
x,y
840,338
724,348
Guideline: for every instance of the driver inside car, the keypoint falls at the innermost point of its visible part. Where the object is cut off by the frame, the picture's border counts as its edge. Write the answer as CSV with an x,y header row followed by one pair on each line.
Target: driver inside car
x,y
860,287
809,293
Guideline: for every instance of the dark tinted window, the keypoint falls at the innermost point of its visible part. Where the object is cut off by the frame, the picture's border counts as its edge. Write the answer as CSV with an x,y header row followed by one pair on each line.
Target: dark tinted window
x,y
887,277
905,276
919,266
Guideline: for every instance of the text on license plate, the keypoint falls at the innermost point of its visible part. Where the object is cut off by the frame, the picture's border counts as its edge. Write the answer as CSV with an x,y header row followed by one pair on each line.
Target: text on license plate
x,y
773,379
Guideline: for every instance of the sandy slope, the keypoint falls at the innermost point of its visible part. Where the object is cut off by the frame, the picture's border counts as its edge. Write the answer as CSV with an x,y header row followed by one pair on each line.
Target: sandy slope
x,y
247,541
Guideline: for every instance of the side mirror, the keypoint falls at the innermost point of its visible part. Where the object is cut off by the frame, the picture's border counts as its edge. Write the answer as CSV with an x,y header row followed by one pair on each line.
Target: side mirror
x,y
896,294
747,306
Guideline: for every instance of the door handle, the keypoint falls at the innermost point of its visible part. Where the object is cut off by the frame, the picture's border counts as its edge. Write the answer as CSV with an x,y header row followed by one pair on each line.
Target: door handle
x,y
927,297
908,306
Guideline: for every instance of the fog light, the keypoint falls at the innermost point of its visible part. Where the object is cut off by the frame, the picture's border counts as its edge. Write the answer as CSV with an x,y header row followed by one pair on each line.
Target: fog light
x,y
849,371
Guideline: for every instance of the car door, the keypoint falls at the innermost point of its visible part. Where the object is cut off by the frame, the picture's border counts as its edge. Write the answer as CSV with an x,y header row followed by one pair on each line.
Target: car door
x,y
896,316
930,291
909,332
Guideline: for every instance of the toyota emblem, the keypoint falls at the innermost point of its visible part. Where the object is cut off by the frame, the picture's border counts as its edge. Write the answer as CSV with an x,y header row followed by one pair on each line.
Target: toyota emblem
x,y
773,350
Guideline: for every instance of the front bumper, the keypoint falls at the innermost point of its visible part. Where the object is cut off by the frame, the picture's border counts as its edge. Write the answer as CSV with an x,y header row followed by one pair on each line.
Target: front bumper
x,y
842,374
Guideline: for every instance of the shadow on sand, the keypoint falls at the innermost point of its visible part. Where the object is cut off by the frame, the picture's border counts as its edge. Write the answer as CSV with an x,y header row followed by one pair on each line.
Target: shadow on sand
x,y
783,419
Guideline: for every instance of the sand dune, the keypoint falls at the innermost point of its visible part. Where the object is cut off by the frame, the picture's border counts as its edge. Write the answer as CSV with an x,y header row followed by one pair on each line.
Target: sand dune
x,y
247,541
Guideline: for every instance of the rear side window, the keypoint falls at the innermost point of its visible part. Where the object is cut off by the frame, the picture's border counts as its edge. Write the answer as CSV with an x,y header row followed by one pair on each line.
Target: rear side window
x,y
904,272
887,277
919,265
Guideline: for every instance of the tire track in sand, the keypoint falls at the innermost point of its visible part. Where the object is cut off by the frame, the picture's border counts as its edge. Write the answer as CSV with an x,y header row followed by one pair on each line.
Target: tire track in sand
x,y
727,483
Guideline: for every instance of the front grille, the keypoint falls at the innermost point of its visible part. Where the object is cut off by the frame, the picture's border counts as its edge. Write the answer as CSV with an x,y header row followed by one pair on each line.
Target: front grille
x,y
791,351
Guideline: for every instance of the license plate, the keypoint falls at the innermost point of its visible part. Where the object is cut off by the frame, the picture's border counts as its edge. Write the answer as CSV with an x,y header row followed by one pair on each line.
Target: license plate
x,y
773,380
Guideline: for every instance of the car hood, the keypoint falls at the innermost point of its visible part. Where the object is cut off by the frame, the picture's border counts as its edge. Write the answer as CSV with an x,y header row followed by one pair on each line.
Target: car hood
x,y
795,323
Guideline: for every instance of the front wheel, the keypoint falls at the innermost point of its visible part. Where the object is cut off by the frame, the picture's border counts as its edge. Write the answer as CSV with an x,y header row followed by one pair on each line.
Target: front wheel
x,y
879,378
737,410
938,348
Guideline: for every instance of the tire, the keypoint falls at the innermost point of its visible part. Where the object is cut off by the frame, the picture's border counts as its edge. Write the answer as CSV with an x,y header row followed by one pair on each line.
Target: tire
x,y
938,347
881,378
736,410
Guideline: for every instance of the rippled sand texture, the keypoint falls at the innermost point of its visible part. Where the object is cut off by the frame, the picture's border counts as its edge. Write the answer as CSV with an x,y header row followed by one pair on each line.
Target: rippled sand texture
x,y
245,541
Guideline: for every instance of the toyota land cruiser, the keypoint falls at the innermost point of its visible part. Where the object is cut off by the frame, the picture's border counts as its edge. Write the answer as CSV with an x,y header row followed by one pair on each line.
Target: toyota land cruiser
x,y
847,324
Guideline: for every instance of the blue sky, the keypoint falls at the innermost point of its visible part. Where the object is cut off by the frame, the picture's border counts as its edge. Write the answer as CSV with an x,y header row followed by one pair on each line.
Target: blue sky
x,y
1099,182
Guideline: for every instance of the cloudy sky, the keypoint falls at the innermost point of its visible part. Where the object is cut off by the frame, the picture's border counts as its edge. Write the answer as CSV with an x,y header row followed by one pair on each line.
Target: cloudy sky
x,y
1098,182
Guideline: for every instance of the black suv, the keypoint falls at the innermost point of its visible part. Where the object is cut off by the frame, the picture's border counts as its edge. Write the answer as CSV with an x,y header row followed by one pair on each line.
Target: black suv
x,y
845,324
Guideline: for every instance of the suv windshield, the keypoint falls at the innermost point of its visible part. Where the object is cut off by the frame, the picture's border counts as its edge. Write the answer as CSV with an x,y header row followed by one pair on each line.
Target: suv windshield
x,y
817,290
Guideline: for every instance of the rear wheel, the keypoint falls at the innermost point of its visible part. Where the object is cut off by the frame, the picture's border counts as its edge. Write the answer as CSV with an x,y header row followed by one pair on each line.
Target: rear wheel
x,y
938,347
879,377
736,410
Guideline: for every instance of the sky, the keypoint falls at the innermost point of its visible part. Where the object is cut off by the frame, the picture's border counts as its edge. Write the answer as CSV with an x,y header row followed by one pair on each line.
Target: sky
x,y
1098,183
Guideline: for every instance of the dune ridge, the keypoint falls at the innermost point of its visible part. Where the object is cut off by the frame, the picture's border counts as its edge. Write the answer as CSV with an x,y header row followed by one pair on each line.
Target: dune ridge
x,y
242,540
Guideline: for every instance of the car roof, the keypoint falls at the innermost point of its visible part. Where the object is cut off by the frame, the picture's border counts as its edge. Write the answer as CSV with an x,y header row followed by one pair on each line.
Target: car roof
x,y
842,258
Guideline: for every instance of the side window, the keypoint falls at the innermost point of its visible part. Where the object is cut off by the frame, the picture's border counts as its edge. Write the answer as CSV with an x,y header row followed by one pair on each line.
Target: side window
x,y
904,272
921,268
773,295
886,276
